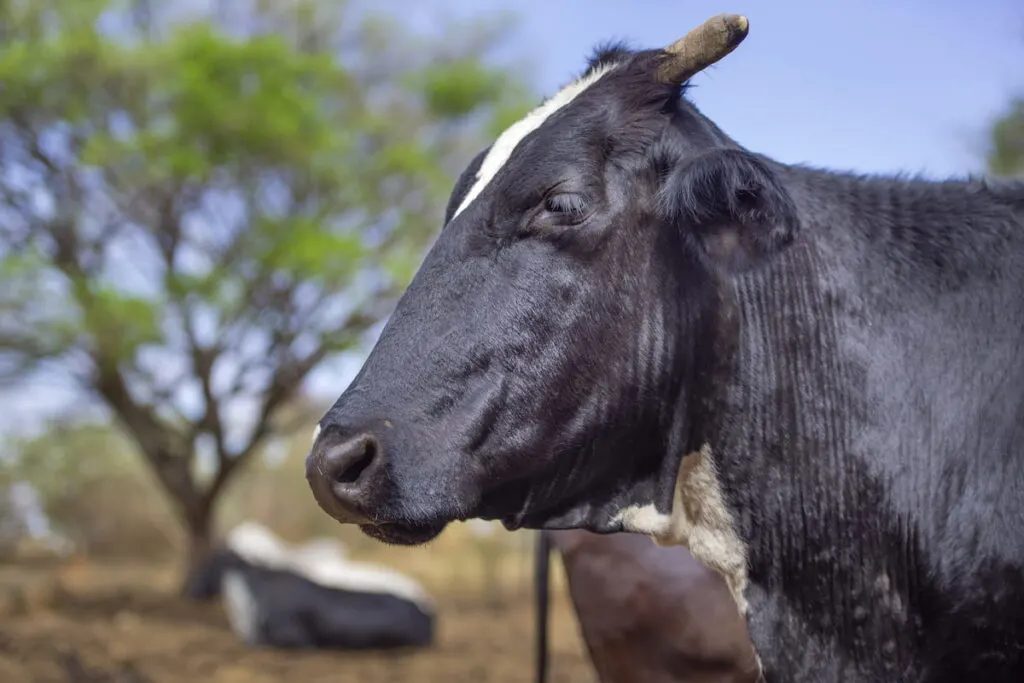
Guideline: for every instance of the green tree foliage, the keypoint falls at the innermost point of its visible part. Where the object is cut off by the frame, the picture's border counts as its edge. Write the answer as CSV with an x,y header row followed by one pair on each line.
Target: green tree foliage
x,y
1006,151
197,208
93,490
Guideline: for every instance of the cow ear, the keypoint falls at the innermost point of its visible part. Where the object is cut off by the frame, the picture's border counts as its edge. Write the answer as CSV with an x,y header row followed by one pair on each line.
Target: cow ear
x,y
732,208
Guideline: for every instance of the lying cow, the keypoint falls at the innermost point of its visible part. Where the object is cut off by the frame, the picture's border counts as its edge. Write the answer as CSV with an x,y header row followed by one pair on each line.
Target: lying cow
x,y
813,380
647,613
312,596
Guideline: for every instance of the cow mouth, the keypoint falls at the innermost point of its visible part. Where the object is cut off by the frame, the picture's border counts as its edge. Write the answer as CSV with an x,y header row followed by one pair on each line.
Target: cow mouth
x,y
403,534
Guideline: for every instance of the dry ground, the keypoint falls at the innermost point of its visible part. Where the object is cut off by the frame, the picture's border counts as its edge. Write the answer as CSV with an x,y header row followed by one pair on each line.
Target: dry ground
x,y
89,622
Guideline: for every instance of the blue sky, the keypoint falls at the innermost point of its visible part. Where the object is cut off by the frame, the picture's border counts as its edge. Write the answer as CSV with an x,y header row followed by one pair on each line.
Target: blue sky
x,y
868,85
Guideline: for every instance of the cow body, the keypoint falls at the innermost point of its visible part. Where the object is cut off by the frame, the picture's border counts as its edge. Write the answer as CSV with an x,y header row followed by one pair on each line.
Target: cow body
x,y
653,614
311,598
868,433
813,380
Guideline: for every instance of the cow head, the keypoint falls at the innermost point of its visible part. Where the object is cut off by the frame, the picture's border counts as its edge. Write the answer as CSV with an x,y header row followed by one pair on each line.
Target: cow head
x,y
541,367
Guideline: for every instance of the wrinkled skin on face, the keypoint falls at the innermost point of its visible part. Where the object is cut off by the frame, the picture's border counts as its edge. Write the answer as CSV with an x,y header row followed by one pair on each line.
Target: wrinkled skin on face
x,y
542,366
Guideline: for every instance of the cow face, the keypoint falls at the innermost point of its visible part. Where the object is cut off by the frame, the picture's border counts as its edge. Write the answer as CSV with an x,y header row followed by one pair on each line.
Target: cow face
x,y
539,368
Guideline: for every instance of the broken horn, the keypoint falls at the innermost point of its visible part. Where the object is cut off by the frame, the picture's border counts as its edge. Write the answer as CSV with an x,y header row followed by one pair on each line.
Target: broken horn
x,y
702,47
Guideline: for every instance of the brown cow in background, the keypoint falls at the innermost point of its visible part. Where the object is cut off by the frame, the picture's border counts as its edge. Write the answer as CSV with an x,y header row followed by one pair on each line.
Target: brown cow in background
x,y
647,613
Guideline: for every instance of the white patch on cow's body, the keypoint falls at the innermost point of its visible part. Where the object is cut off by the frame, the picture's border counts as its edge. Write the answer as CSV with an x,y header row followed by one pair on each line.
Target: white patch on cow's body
x,y
316,432
330,549
240,606
502,149
700,521
324,563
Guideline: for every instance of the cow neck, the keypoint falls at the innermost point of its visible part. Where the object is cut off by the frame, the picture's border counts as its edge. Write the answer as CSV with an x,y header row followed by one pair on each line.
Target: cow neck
x,y
774,405
785,418
780,422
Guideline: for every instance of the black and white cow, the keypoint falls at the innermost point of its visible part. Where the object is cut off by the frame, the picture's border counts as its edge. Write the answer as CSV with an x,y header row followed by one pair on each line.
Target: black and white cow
x,y
813,380
312,596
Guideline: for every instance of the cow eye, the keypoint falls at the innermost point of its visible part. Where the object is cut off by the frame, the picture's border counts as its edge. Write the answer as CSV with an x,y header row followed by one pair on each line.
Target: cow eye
x,y
566,205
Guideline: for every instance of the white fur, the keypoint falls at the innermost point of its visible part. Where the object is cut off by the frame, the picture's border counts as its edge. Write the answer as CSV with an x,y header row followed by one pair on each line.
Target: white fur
x,y
322,562
506,143
322,549
316,432
700,520
240,606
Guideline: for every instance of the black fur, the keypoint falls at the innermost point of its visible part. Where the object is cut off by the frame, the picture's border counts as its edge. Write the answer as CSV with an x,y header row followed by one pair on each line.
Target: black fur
x,y
860,390
737,211
608,52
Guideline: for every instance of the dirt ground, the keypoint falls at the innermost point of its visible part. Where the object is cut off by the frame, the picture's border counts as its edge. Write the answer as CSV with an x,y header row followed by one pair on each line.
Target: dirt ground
x,y
97,624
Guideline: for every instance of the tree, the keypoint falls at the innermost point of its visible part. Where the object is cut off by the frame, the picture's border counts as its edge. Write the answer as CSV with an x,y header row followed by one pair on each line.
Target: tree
x,y
196,214
12,526
1006,150
101,503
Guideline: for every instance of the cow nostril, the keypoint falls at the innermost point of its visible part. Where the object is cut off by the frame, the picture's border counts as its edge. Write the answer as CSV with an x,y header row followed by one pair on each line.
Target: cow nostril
x,y
345,475
351,473
349,460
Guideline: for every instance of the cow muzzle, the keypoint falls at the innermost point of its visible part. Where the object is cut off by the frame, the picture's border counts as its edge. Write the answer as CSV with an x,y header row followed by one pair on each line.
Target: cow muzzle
x,y
343,472
348,473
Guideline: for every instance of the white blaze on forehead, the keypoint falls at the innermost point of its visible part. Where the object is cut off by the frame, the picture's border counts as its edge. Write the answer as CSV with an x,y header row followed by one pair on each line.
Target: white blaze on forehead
x,y
506,143
322,562
700,520
316,432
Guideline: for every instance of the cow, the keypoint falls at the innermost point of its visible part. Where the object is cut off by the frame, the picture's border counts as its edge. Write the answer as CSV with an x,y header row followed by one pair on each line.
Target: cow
x,y
646,613
811,379
311,597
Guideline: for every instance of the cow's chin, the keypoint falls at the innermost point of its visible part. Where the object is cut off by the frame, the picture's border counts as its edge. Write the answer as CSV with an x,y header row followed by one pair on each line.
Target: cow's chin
x,y
588,518
602,512
404,534
603,507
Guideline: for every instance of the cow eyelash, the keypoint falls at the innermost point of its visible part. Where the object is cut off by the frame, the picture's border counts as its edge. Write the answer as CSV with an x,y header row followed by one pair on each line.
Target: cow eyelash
x,y
568,204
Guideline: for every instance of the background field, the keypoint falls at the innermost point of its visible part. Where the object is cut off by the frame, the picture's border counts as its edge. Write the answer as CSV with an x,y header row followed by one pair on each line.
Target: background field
x,y
87,620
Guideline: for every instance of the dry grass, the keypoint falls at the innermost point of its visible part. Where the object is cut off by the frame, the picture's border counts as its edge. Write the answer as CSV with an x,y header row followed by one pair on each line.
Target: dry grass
x,y
100,622
113,617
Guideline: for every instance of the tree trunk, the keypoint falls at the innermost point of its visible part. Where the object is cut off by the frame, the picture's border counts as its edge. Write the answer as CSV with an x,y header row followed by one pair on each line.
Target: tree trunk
x,y
199,545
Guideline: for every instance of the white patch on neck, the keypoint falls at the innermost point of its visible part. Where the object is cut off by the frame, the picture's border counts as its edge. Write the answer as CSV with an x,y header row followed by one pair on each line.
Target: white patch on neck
x,y
316,432
506,143
240,606
323,562
700,521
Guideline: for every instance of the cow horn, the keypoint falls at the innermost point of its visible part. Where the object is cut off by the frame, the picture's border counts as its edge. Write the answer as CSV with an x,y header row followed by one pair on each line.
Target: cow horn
x,y
702,47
